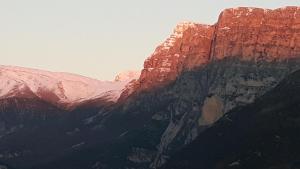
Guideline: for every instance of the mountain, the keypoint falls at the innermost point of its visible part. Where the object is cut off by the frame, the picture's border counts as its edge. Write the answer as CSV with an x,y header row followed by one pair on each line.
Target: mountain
x,y
261,135
200,73
63,90
244,33
42,113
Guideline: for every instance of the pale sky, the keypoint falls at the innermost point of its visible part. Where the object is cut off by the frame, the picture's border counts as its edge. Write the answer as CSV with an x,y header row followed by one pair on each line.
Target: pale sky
x,y
99,38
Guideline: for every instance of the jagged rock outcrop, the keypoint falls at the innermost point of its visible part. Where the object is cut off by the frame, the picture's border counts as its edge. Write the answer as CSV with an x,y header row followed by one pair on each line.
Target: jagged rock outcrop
x,y
246,33
187,47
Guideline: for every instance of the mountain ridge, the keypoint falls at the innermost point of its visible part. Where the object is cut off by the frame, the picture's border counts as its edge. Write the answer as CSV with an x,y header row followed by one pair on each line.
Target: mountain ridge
x,y
245,32
64,90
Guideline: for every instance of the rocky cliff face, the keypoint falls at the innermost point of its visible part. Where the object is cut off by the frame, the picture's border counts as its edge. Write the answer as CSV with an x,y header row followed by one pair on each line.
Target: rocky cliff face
x,y
205,95
246,33
187,47
260,135
213,69
253,33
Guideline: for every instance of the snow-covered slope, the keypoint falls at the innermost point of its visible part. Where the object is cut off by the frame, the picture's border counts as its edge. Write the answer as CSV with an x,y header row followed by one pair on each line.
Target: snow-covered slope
x,y
61,89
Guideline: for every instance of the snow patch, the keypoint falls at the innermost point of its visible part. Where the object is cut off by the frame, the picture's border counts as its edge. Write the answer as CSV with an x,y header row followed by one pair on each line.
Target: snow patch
x,y
225,28
177,55
177,34
76,146
236,163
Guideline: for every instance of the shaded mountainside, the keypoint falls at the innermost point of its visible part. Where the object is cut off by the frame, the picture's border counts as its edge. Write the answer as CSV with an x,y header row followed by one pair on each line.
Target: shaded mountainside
x,y
146,130
33,131
264,134
44,115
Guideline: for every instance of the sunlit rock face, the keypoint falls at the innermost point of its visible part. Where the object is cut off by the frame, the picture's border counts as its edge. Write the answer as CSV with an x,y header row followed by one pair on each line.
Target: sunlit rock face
x,y
246,33
254,34
186,48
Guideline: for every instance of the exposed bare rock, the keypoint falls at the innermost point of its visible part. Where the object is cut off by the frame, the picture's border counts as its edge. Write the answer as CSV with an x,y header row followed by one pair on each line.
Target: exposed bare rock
x,y
212,110
246,33
254,33
186,48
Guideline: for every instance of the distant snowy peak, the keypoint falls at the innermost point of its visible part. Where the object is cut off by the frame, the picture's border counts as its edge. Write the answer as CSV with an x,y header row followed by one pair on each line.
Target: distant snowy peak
x,y
127,76
64,90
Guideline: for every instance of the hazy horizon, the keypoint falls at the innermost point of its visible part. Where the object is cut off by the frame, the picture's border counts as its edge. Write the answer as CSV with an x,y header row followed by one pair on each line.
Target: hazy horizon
x,y
98,39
